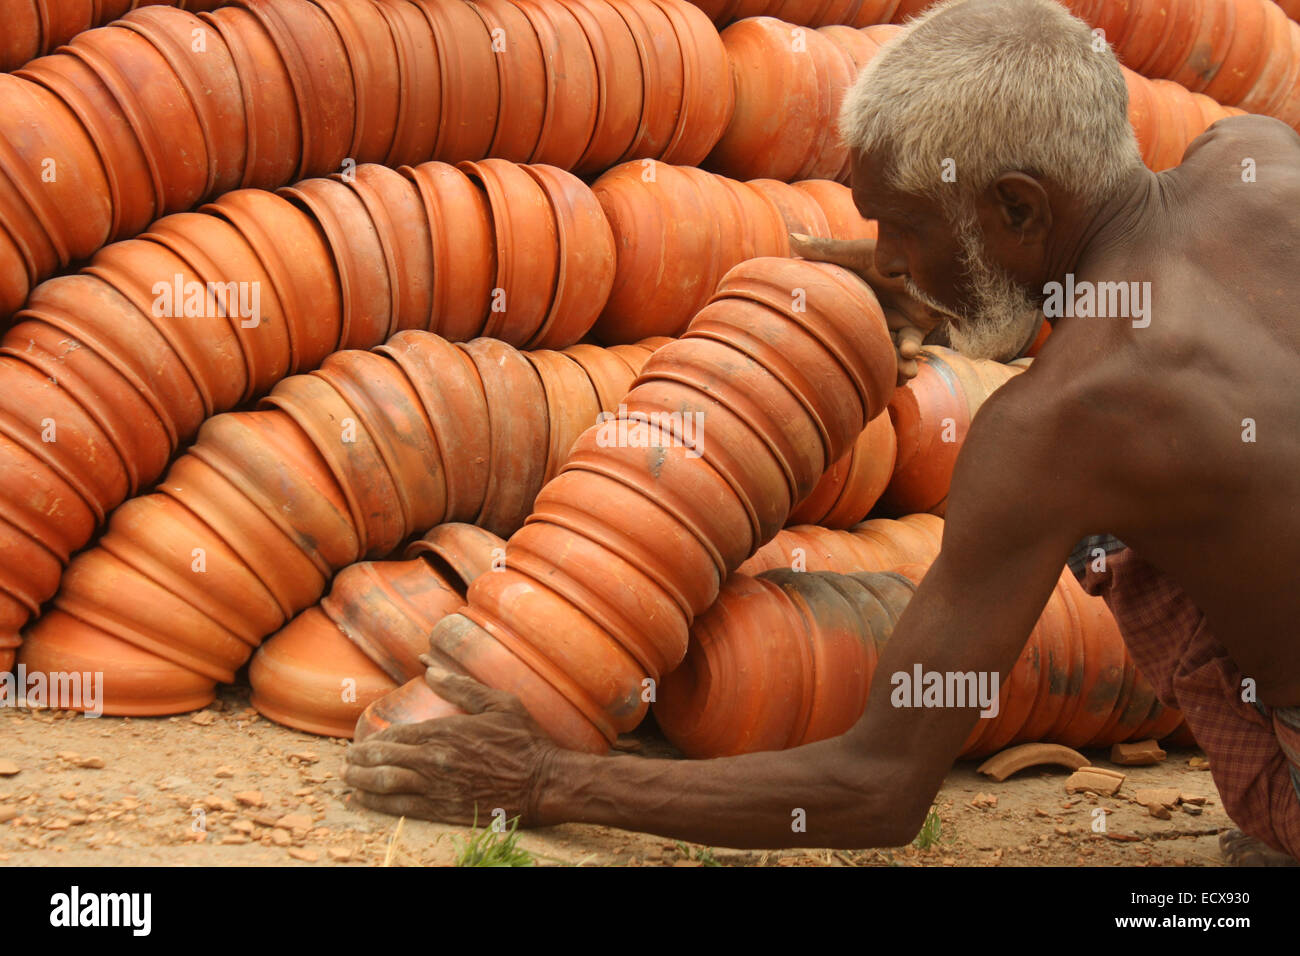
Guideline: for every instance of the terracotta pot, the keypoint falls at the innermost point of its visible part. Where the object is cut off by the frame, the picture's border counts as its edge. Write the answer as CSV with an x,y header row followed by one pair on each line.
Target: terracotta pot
x,y
133,203
31,570
763,229
210,79
411,703
389,410
527,247
22,39
164,287
850,488
620,84
15,283
836,202
368,294
708,99
296,255
419,113
667,239
610,376
81,398
521,72
376,83
342,438
459,552
317,61
160,112
571,404
1175,36
136,682
471,97
876,545
572,90
663,72
451,391
34,499
799,210
464,249
516,406
587,259
70,204
90,312
313,678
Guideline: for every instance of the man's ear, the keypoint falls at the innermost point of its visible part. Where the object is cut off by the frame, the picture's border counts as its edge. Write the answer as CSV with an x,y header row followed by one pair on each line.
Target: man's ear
x,y
1021,209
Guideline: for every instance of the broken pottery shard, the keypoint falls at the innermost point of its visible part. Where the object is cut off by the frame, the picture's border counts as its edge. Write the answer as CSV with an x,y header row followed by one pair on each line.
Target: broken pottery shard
x,y
1013,759
1097,780
1140,754
1162,796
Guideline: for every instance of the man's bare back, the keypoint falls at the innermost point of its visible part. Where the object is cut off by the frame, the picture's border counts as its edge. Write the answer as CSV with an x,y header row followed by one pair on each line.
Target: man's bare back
x,y
1184,434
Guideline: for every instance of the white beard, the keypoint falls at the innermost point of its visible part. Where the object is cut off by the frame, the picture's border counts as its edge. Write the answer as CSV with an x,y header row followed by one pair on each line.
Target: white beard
x,y
999,316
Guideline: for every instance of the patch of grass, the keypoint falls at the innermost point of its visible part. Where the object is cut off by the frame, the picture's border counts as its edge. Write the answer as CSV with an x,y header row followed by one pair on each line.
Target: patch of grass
x,y
702,855
930,833
488,847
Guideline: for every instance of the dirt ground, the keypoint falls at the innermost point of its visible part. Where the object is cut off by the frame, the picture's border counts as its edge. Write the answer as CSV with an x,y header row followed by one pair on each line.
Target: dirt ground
x,y
225,787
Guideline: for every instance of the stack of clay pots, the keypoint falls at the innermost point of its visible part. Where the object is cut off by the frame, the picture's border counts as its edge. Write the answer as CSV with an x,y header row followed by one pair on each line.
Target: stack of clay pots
x,y
107,373
789,83
875,545
1166,118
725,430
788,658
808,13
1242,53
164,108
348,462
932,414
679,229
365,637
850,487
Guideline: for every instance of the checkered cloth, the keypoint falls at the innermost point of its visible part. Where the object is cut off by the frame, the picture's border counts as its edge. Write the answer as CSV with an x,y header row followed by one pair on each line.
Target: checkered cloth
x,y
1254,752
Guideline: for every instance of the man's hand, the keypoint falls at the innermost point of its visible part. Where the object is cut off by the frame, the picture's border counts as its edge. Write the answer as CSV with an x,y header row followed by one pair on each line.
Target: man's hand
x,y
444,769
909,320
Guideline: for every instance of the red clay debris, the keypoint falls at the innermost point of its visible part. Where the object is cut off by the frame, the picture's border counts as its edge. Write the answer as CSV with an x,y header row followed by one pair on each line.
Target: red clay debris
x,y
1013,759
1096,780
1144,753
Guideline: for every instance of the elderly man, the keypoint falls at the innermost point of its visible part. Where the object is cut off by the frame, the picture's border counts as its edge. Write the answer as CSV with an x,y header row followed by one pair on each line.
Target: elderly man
x,y
991,143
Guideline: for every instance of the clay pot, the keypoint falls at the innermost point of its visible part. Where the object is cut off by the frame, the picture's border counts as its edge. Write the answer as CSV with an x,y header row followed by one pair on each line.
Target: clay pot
x,y
875,545
14,281
708,99
459,552
35,500
22,39
411,703
373,63
663,74
572,90
516,405
358,256
521,72
471,98
136,682
210,79
159,110
448,384
299,676
571,404
295,254
836,202
799,210
527,247
464,249
850,488
419,109
587,259
49,161
389,410
317,62
620,84
133,203
610,376
31,570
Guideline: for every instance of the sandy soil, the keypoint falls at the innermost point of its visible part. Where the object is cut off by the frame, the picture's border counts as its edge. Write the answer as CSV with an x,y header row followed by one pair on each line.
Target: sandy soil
x,y
225,787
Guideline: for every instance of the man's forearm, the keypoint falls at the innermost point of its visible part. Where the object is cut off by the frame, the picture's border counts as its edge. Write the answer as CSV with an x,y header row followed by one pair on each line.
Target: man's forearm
x,y
810,796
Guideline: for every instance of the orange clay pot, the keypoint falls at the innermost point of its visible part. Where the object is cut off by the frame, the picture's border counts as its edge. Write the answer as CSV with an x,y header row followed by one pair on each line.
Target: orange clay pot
x,y
572,84
850,488
836,202
527,246
521,73
571,404
294,252
22,39
471,98
610,376
35,500
620,84
875,545
464,249
420,95
708,99
373,64
799,210
662,70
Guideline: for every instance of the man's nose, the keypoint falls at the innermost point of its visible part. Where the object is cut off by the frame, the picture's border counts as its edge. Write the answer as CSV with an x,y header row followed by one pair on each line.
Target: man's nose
x,y
890,261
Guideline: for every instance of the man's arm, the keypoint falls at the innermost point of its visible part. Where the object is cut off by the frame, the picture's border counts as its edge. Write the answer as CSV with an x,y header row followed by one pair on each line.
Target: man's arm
x,y
1005,542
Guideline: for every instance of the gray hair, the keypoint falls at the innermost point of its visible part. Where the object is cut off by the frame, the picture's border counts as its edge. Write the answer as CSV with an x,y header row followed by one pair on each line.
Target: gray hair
x,y
980,87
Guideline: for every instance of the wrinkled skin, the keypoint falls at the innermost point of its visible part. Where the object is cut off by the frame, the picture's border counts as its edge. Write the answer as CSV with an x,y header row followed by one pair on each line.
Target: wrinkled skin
x,y
1114,429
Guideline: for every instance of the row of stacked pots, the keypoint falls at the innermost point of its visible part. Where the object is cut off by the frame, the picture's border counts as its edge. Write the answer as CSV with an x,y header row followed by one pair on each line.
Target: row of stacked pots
x,y
347,462
164,109
107,373
808,677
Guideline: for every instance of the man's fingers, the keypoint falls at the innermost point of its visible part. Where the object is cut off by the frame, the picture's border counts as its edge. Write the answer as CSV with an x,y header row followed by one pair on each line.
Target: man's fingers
x,y
385,780
855,254
407,805
379,753
467,693
416,733
910,339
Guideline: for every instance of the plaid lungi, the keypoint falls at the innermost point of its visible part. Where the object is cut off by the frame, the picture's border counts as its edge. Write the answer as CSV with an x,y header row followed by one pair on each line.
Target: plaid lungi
x,y
1254,751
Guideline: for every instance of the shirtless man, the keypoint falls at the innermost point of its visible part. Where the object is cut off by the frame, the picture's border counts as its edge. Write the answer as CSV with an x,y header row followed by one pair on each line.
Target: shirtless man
x,y
1174,426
